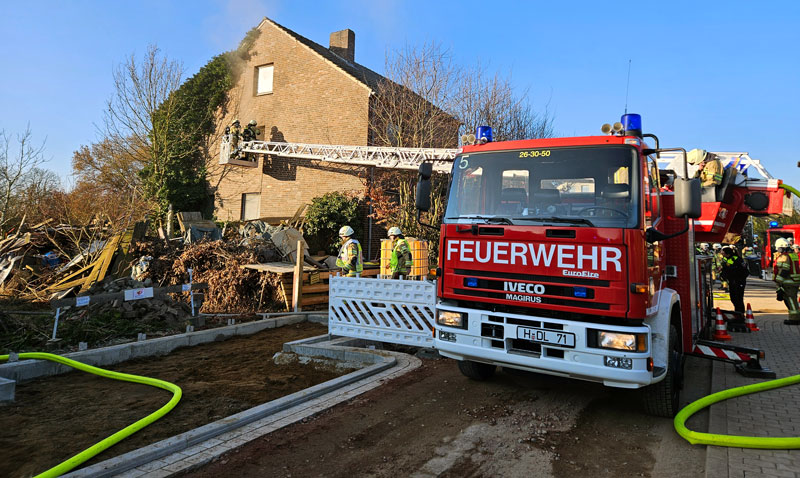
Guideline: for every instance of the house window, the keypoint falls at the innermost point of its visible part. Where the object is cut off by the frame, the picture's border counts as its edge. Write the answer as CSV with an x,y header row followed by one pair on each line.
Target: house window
x,y
251,206
264,79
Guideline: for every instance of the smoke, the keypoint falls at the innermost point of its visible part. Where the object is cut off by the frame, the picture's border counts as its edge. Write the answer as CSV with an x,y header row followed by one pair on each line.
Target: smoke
x,y
226,27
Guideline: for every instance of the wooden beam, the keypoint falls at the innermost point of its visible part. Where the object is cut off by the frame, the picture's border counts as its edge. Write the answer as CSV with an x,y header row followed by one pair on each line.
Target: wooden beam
x,y
297,286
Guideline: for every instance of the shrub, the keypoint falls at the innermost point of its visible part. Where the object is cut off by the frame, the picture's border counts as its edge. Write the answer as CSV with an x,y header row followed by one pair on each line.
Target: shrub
x,y
328,213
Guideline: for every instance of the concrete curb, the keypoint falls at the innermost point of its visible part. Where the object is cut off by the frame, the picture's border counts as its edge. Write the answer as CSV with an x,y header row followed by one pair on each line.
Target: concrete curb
x,y
178,443
30,369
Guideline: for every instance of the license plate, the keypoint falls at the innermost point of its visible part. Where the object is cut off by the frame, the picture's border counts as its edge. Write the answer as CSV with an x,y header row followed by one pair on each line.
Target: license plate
x,y
549,337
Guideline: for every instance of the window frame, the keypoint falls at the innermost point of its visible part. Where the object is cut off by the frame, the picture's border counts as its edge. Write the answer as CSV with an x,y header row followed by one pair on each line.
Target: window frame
x,y
257,77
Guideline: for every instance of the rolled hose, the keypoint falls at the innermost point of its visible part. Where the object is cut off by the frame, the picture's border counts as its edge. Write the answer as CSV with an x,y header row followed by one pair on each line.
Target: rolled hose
x,y
697,438
93,450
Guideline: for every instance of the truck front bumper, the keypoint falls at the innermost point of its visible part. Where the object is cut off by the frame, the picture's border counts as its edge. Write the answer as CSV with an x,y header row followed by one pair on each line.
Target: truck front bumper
x,y
502,339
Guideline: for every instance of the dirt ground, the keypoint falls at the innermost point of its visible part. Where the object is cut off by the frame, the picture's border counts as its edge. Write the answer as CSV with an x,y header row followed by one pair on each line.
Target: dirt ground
x,y
433,422
54,418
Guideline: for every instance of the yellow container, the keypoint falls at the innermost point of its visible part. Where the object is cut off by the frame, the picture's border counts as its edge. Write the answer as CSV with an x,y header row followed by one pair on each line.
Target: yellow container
x,y
419,257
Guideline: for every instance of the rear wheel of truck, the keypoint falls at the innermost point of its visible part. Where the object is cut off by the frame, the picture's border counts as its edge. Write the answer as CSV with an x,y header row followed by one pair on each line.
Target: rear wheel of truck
x,y
663,398
476,370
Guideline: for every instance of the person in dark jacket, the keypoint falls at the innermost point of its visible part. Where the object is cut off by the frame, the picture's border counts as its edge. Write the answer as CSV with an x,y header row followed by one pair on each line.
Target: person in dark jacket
x,y
734,272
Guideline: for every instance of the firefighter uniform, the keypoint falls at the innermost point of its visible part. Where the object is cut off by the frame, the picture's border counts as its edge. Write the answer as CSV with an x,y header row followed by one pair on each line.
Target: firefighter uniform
x,y
250,132
401,261
236,130
787,277
735,273
711,174
350,257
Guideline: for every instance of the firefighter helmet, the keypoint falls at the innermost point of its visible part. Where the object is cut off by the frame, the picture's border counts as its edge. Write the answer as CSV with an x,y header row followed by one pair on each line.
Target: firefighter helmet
x,y
236,121
346,231
696,156
395,231
717,246
781,243
252,123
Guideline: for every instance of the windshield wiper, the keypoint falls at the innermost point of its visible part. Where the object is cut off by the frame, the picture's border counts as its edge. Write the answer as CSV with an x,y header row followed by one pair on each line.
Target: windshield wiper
x,y
566,220
488,219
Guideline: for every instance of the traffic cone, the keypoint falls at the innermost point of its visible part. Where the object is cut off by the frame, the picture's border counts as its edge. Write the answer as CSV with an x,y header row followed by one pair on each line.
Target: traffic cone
x,y
749,322
721,330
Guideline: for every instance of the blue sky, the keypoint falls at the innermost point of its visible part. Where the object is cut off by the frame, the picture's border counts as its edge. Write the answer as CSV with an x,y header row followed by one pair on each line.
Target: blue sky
x,y
717,75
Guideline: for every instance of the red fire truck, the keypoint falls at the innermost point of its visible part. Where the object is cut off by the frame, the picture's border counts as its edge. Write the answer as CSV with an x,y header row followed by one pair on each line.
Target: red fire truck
x,y
575,257
775,232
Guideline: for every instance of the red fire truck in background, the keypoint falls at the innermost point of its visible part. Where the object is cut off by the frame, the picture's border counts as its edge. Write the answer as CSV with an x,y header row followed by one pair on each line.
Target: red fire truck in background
x,y
775,232
575,257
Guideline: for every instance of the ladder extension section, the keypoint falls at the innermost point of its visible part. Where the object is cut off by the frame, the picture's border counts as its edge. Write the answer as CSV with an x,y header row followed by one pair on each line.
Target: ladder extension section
x,y
379,156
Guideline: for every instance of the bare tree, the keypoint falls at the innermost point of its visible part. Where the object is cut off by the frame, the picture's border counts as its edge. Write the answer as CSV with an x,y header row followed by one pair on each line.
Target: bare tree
x,y
410,106
492,100
19,171
143,119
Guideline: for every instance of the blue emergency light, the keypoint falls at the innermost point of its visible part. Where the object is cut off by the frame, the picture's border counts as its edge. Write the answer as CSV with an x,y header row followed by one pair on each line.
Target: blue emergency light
x,y
484,134
579,292
773,224
632,123
471,282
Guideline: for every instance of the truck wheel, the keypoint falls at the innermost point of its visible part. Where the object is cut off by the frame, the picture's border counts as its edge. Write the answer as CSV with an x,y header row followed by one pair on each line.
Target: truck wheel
x,y
663,398
476,370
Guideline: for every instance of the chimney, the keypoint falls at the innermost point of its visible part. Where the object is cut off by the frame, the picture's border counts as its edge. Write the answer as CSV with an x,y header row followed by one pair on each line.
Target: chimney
x,y
343,43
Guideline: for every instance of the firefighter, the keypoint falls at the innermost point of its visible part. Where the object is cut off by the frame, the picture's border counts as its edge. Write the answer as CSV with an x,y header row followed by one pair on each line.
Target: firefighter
x,y
786,273
716,263
401,260
235,132
709,167
350,259
250,133
735,273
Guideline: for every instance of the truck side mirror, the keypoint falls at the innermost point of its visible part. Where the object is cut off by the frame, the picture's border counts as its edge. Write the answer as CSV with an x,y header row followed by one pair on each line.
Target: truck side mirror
x,y
423,199
688,198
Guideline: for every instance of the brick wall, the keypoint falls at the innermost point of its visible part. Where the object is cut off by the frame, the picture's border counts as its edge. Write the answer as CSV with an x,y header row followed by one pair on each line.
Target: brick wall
x,y
312,101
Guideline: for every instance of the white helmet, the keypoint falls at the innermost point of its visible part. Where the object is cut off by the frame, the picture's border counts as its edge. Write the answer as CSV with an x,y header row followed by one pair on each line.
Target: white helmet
x,y
717,246
395,231
346,231
781,243
704,245
696,156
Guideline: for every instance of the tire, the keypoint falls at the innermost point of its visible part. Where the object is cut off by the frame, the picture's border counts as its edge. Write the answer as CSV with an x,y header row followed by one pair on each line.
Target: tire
x,y
476,370
663,399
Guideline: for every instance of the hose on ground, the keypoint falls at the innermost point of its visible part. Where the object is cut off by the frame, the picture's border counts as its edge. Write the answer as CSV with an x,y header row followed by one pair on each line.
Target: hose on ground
x,y
93,450
698,438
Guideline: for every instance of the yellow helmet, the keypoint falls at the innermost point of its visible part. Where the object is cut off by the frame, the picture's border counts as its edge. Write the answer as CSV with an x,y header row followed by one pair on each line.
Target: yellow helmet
x,y
781,243
346,231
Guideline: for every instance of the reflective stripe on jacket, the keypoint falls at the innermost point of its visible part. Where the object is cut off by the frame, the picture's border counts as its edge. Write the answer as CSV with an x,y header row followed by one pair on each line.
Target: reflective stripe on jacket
x,y
350,258
401,260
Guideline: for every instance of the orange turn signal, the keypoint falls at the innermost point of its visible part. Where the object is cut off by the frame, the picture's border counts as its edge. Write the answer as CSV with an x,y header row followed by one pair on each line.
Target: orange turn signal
x,y
639,288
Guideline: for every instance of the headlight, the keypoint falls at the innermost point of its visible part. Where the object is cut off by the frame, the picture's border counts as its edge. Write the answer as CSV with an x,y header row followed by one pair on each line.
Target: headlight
x,y
620,341
451,319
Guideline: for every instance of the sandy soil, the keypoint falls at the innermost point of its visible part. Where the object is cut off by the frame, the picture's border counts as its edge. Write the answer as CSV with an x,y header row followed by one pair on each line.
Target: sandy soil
x,y
433,422
56,417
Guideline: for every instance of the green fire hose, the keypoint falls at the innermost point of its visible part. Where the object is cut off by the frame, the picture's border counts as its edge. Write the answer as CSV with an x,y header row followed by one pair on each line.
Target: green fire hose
x,y
93,450
697,438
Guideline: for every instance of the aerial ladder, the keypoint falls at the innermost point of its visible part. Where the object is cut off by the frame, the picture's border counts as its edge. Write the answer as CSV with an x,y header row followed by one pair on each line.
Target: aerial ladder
x,y
747,188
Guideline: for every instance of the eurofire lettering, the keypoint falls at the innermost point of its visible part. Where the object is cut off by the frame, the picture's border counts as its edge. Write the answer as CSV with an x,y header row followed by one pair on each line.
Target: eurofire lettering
x,y
564,256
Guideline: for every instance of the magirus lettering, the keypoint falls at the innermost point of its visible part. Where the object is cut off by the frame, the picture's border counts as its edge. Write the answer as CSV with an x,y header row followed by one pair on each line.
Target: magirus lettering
x,y
523,287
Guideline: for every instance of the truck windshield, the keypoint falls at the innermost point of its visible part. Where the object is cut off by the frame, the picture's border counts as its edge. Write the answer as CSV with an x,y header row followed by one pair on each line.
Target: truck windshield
x,y
580,186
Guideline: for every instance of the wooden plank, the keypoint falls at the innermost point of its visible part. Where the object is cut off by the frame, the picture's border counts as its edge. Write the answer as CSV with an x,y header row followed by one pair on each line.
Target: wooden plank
x,y
314,288
70,280
297,285
315,299
101,266
275,267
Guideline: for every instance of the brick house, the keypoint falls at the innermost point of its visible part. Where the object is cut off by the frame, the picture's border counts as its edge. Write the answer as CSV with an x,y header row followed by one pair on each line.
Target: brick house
x,y
298,91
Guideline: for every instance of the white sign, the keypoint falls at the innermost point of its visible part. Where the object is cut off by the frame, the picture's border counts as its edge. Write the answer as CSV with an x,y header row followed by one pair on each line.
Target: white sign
x,y
82,301
136,294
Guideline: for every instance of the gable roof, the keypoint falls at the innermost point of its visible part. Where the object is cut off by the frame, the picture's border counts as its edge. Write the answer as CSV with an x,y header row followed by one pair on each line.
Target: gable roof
x,y
360,73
